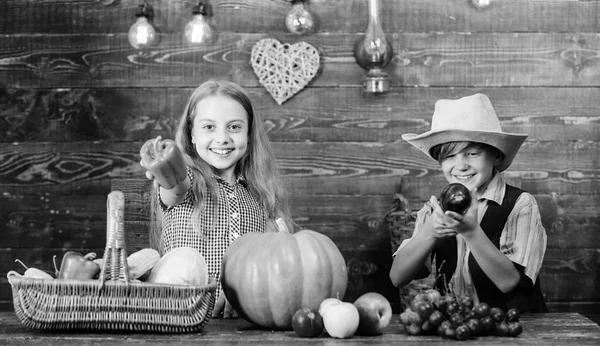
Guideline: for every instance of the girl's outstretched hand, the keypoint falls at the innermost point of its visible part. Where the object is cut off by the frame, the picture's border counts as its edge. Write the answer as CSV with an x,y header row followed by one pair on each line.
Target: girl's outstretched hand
x,y
150,176
223,308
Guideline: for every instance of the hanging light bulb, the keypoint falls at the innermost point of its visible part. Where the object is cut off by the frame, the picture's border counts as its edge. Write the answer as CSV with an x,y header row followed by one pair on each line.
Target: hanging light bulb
x,y
481,4
197,31
374,52
141,34
299,21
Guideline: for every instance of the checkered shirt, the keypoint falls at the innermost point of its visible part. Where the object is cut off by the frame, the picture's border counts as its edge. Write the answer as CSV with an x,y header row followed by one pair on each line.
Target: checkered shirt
x,y
237,213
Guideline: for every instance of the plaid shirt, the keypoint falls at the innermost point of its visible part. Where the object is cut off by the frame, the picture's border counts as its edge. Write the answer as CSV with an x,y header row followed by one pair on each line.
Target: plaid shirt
x,y
236,213
523,239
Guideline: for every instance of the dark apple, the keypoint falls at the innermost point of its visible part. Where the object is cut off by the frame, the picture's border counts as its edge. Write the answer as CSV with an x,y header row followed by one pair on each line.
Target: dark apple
x,y
455,197
375,313
307,323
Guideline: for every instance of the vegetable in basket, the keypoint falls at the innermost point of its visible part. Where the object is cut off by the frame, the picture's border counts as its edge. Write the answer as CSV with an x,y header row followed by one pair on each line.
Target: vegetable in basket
x,y
34,272
78,267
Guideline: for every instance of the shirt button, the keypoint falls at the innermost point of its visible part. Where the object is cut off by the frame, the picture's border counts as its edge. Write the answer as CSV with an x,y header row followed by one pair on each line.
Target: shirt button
x,y
234,215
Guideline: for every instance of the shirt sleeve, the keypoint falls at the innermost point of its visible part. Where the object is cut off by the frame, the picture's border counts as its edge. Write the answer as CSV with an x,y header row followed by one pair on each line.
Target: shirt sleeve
x,y
186,199
523,238
422,215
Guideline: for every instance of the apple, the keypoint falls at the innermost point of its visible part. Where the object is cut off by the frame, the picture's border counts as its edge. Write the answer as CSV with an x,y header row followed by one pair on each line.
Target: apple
x,y
340,319
307,323
375,313
326,303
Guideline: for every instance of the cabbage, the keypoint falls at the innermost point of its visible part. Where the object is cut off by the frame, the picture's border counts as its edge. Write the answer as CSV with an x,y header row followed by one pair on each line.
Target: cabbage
x,y
180,266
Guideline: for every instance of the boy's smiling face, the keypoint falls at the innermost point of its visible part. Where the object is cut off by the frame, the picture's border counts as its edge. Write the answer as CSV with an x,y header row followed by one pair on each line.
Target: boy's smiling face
x,y
472,166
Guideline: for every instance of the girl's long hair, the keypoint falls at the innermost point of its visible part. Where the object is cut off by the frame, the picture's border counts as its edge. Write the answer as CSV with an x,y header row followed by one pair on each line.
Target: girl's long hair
x,y
257,165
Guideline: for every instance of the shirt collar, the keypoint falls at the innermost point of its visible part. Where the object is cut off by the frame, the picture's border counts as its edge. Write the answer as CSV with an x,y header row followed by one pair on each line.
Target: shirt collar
x,y
241,179
495,189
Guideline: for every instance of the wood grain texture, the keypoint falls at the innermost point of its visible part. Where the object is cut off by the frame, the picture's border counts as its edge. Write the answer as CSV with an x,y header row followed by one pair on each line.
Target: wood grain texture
x,y
420,59
77,102
60,16
340,114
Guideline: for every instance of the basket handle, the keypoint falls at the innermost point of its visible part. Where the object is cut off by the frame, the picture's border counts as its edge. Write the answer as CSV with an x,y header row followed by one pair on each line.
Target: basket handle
x,y
115,254
11,274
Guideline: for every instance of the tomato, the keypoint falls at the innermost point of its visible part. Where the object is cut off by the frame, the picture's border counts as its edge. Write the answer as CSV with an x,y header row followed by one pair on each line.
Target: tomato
x,y
467,302
436,318
424,308
415,318
452,307
456,197
450,333
497,314
512,315
456,319
501,329
428,327
433,296
482,309
441,330
463,332
488,325
470,314
514,329
404,318
475,326
307,323
414,330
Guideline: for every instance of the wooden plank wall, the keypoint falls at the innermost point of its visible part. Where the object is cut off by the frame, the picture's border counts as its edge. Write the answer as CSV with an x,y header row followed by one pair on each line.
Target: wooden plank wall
x,y
77,101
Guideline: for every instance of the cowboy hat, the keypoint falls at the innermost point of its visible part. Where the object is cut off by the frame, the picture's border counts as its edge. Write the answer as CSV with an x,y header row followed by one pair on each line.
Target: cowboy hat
x,y
471,119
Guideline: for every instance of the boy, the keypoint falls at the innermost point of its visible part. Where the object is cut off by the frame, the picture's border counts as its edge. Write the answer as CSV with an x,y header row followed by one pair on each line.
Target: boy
x,y
493,253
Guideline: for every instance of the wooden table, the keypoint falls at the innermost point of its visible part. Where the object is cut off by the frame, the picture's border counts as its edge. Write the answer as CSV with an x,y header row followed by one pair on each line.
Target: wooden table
x,y
538,329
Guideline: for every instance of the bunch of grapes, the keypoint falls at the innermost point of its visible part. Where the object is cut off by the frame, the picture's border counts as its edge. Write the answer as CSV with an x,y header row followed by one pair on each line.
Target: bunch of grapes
x,y
457,317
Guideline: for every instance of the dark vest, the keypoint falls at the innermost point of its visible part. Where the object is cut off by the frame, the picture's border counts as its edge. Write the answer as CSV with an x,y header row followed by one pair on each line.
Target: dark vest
x,y
526,297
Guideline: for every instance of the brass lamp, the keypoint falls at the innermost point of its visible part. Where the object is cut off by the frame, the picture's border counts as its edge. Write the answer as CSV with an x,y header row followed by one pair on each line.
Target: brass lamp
x,y
374,52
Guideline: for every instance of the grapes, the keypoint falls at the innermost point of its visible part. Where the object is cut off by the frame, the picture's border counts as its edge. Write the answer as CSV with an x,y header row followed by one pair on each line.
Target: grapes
x,y
457,317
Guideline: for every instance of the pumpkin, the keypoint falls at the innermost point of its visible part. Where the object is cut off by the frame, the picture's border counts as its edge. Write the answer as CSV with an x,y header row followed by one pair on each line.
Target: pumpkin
x,y
267,277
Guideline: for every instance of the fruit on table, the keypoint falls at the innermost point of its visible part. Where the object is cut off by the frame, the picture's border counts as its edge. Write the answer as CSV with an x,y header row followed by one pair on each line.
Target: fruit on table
x,y
375,313
164,160
34,272
267,277
457,317
327,302
78,267
307,323
180,266
141,262
340,319
455,197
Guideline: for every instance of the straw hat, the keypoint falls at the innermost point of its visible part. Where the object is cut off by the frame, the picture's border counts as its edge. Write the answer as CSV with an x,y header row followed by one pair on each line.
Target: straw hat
x,y
472,119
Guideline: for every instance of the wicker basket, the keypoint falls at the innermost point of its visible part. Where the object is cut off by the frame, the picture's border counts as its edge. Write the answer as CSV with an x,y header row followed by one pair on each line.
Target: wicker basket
x,y
401,224
113,302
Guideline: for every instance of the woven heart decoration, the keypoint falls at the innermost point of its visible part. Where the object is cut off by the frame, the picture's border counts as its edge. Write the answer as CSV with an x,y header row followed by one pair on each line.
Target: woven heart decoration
x,y
284,69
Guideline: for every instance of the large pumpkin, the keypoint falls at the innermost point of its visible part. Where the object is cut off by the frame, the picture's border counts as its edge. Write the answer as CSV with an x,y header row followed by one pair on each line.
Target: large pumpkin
x,y
267,277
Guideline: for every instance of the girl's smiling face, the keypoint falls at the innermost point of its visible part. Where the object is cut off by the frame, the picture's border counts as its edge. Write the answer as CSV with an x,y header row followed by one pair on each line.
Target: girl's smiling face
x,y
220,134
472,166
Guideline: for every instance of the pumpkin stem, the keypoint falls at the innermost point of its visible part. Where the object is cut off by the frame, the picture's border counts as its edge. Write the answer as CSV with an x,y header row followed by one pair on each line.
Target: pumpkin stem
x,y
281,225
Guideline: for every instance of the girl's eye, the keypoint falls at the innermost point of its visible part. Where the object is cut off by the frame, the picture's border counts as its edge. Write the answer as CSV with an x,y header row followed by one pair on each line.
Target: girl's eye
x,y
208,126
473,153
235,127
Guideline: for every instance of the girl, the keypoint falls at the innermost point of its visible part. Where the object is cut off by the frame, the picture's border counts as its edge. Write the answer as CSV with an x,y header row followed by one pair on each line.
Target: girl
x,y
494,252
232,185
